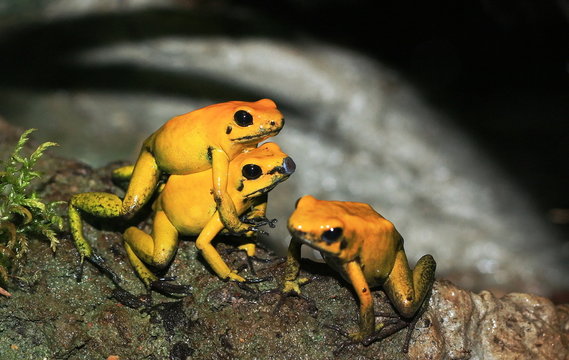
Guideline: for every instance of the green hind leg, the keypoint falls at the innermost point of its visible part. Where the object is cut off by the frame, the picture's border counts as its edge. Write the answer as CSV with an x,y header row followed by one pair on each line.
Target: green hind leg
x,y
142,185
98,204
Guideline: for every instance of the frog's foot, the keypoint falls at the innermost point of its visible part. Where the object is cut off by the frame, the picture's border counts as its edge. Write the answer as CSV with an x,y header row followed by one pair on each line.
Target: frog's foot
x,y
260,221
165,287
382,331
350,342
244,229
245,283
292,288
385,330
130,300
250,257
99,263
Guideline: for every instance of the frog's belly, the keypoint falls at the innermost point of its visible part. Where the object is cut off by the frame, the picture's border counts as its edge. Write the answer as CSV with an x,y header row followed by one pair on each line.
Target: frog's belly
x,y
373,278
191,220
188,205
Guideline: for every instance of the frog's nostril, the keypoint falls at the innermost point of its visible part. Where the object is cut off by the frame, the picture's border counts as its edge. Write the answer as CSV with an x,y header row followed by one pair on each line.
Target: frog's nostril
x,y
289,165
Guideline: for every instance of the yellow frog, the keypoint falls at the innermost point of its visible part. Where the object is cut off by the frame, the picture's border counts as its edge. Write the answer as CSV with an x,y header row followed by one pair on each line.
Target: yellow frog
x,y
365,249
207,138
186,206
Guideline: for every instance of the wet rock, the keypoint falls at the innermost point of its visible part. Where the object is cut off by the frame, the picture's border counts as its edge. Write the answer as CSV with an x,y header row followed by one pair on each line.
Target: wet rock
x,y
464,325
54,316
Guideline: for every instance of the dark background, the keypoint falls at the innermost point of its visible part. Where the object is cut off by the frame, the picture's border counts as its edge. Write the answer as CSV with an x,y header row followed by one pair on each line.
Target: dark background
x,y
499,69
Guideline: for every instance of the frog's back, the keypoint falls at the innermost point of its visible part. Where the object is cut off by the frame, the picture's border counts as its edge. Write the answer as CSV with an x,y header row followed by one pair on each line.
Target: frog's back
x,y
183,144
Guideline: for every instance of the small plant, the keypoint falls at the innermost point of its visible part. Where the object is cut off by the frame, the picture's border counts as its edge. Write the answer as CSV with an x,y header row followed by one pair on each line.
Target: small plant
x,y
22,213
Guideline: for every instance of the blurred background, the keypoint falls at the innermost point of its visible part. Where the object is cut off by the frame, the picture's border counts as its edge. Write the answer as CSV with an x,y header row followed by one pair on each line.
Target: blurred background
x,y
450,118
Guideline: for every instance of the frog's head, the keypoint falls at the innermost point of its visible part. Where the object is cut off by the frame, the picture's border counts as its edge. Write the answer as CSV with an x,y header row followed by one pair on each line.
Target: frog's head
x,y
259,170
252,122
327,226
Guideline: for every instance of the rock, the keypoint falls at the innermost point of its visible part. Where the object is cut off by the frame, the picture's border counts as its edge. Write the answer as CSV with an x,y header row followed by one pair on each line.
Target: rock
x,y
52,315
481,326
357,130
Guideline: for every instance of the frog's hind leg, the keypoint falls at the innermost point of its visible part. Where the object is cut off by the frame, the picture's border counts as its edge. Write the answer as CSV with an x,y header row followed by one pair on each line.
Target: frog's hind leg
x,y
98,204
140,268
156,249
408,289
141,187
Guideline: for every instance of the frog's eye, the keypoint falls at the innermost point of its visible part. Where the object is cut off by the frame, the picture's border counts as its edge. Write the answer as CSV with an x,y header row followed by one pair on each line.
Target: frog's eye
x,y
243,118
252,171
332,235
296,203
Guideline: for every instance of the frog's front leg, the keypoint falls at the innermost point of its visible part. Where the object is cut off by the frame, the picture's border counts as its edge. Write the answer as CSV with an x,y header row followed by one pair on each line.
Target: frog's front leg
x,y
256,217
225,206
257,214
292,282
407,289
210,254
367,317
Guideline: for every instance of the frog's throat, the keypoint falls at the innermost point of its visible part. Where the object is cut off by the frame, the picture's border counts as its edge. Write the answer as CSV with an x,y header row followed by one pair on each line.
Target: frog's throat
x,y
266,189
254,138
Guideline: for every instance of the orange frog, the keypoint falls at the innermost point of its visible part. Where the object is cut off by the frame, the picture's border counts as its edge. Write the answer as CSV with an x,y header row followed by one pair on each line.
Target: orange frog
x,y
366,250
207,138
186,206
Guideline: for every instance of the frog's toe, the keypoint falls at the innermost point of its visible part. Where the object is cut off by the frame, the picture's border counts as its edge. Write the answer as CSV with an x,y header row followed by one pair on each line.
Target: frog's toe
x,y
165,286
257,280
285,294
130,300
99,263
352,339
260,221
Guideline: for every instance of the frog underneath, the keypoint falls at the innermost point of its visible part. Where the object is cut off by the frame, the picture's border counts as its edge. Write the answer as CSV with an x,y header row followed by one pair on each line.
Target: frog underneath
x,y
207,138
186,206
366,250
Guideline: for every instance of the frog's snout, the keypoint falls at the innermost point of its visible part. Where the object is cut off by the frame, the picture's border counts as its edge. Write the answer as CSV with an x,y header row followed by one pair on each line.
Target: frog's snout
x,y
288,166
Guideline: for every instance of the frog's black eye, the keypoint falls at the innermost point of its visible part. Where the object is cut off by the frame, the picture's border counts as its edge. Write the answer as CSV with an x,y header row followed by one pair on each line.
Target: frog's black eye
x,y
332,235
296,203
252,171
243,118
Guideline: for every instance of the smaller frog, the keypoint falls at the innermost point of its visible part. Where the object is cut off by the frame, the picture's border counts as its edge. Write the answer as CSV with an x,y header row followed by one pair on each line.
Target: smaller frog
x,y
186,206
366,250
207,138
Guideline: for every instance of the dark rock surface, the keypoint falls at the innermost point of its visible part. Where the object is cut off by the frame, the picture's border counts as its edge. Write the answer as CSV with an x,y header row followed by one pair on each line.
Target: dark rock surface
x,y
52,316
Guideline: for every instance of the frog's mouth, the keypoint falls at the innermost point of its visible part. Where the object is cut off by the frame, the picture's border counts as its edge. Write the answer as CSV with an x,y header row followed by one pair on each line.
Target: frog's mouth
x,y
309,240
252,138
266,189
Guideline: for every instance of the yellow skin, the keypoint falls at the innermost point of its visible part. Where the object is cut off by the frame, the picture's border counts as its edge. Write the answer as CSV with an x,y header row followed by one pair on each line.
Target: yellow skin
x,y
207,138
186,206
365,249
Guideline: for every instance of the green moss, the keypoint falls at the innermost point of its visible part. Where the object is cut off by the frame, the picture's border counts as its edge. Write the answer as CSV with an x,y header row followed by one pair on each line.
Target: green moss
x,y
22,213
